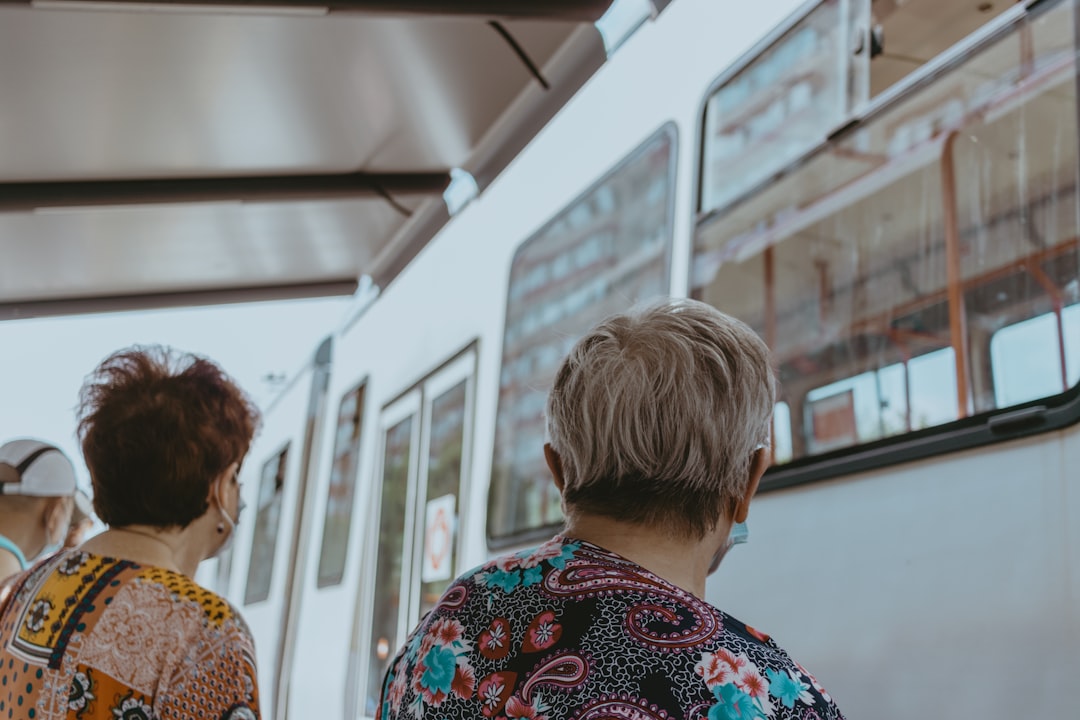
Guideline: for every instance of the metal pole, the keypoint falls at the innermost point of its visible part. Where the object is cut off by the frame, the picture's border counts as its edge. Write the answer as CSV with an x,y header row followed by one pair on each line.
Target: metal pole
x,y
957,313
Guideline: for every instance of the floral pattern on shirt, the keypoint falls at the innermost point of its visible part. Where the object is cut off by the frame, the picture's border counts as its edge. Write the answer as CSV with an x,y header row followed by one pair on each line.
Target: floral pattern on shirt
x,y
570,631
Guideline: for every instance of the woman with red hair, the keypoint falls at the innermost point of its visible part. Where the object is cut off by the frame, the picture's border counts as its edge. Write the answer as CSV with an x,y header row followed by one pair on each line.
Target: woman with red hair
x,y
117,628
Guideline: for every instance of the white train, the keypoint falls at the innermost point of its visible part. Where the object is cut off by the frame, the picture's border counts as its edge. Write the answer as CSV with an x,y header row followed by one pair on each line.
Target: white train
x,y
888,192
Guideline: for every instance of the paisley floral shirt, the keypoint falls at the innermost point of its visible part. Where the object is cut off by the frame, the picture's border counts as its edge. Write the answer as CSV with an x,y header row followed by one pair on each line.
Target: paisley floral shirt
x,y
570,631
84,637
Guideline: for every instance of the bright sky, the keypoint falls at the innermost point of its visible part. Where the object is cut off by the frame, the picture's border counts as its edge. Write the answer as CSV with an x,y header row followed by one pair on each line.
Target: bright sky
x,y
44,361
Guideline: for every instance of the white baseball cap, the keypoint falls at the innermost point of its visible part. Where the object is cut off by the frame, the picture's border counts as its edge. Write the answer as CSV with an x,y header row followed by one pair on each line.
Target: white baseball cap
x,y
35,468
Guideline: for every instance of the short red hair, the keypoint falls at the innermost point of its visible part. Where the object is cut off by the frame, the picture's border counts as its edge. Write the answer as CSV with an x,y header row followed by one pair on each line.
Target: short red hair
x,y
157,427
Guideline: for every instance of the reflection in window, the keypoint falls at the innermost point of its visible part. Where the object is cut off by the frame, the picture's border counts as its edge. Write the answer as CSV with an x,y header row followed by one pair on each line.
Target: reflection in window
x,y
776,108
388,570
880,270
339,502
267,521
440,511
781,433
599,256
1020,374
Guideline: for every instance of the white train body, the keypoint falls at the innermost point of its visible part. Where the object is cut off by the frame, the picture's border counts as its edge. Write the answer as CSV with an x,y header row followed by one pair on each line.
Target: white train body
x,y
946,586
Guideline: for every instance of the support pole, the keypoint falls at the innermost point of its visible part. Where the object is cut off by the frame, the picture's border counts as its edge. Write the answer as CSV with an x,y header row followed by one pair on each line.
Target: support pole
x,y
957,313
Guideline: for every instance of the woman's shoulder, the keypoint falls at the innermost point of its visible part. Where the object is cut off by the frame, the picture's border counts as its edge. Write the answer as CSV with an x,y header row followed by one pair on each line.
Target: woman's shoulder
x,y
96,584
215,610
743,666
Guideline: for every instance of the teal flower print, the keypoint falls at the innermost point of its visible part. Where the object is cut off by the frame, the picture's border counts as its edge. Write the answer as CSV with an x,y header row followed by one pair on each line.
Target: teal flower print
x,y
439,670
567,553
733,704
785,687
507,580
532,576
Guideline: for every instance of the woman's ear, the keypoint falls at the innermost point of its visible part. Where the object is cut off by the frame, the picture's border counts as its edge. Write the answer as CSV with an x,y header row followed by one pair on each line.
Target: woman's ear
x,y
759,463
214,494
554,463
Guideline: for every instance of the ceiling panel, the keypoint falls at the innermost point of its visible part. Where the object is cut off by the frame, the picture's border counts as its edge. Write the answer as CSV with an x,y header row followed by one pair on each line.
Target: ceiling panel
x,y
232,135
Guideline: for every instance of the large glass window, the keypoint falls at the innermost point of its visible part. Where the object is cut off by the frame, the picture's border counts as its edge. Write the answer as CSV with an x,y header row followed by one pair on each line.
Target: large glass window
x,y
777,107
267,521
339,502
397,454
895,272
600,255
438,544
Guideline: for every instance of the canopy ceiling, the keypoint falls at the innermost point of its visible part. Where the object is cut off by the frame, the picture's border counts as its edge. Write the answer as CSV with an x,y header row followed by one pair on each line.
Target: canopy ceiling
x,y
155,155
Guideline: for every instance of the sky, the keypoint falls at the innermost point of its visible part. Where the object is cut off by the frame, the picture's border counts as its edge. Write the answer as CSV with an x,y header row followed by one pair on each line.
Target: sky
x,y
44,361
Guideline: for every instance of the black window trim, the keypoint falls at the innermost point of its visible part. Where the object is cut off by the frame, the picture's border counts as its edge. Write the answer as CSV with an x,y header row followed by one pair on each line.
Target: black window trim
x,y
1017,421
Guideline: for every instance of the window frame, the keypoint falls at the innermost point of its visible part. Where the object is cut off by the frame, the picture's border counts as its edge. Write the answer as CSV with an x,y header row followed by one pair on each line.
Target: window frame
x,y
978,428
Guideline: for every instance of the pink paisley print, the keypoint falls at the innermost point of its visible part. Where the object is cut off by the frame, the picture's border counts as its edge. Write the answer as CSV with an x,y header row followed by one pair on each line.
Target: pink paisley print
x,y
571,631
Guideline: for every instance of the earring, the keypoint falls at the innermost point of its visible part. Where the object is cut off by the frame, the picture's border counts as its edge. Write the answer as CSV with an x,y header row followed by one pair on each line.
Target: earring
x,y
220,528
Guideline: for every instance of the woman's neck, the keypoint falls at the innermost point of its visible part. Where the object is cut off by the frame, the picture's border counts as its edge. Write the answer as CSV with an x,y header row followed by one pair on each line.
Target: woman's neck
x,y
146,545
682,561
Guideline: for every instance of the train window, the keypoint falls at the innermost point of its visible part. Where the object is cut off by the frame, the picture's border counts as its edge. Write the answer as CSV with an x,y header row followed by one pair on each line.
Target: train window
x,y
813,74
397,458
1021,375
903,274
781,432
776,107
267,519
339,501
907,35
438,541
605,252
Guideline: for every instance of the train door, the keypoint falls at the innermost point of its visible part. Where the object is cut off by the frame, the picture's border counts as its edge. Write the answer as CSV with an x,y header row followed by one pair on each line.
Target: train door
x,y
425,438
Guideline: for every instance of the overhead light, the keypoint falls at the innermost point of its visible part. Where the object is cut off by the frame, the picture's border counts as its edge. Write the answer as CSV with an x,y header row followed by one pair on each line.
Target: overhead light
x,y
461,191
177,8
621,20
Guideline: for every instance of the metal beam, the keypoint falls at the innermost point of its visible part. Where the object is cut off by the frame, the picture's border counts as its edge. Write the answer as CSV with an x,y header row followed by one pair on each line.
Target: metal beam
x,y
571,10
22,310
28,196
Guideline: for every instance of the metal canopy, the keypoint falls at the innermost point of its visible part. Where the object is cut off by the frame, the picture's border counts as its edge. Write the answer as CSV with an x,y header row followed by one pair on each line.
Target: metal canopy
x,y
158,155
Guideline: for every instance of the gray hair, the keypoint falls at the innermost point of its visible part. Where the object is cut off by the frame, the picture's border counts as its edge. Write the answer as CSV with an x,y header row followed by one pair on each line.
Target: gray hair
x,y
656,413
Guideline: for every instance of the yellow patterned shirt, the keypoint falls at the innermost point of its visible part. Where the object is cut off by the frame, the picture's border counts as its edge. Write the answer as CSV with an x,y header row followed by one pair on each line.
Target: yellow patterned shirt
x,y
84,637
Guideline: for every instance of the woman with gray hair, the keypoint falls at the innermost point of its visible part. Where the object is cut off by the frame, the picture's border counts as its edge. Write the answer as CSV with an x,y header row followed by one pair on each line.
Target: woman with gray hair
x,y
659,424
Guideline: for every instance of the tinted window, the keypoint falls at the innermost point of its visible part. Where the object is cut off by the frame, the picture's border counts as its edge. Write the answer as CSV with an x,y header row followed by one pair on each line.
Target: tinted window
x,y
880,270
267,521
776,108
339,501
388,570
600,255
441,505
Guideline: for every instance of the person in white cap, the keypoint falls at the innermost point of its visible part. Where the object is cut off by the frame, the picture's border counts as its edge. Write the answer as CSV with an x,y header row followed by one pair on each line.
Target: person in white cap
x,y
37,485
